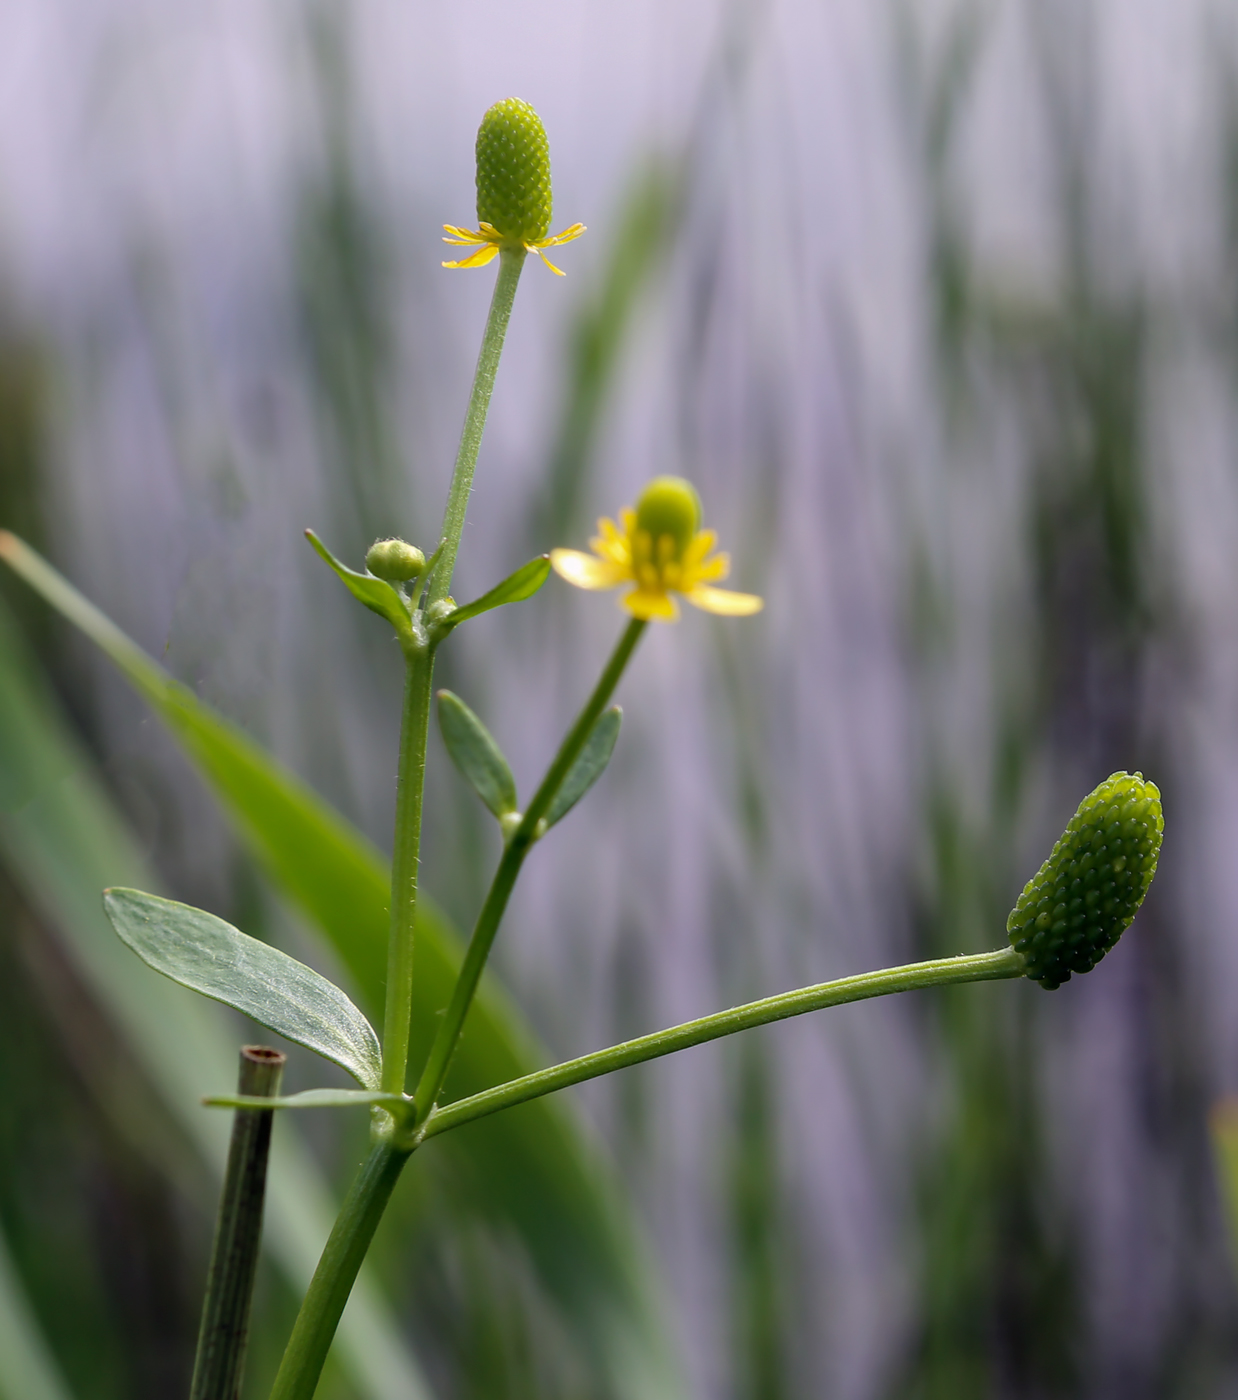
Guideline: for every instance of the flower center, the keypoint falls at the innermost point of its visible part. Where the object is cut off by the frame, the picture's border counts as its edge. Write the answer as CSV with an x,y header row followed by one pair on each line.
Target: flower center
x,y
668,515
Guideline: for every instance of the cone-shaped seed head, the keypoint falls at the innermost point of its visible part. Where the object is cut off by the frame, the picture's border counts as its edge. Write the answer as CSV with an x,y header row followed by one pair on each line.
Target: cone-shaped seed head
x,y
513,172
670,506
1083,898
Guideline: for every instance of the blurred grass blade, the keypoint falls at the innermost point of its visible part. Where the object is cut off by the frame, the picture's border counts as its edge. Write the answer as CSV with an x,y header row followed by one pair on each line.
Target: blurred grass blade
x,y
62,842
1224,1126
312,1098
209,956
589,766
473,750
528,1171
28,1370
376,593
523,584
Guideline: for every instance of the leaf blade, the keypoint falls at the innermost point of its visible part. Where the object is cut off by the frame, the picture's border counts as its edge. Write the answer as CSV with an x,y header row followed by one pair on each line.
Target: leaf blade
x,y
589,766
375,593
312,1098
515,588
206,954
475,753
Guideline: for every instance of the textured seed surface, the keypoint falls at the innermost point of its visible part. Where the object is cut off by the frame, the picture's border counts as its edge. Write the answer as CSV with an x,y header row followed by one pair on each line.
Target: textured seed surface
x,y
1083,898
513,172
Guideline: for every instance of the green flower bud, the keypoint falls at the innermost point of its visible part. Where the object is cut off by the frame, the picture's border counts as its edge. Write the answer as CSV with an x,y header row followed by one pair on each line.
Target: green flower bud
x,y
1083,898
669,506
394,560
513,172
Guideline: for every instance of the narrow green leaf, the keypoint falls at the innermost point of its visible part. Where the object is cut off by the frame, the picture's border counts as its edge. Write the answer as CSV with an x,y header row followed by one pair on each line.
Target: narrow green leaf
x,y
523,584
475,753
28,1370
589,766
315,1098
376,593
208,955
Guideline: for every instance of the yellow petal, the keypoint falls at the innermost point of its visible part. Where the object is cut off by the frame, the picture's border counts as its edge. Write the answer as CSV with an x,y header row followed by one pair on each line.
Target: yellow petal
x,y
585,570
702,542
649,604
566,236
713,570
558,271
723,602
486,253
462,235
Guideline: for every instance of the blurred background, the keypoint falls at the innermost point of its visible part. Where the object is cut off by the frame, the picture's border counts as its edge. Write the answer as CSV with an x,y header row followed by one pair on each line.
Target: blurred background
x,y
935,300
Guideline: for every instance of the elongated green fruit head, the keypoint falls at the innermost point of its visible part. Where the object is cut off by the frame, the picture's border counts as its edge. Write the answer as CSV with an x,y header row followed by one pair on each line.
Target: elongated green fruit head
x,y
513,172
669,506
1083,898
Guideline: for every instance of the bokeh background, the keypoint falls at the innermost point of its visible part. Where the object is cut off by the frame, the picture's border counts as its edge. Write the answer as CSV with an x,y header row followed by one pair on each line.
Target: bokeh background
x,y
936,302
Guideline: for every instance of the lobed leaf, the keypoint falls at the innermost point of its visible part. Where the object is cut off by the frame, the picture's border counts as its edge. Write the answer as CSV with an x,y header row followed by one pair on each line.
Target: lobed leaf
x,y
207,955
473,750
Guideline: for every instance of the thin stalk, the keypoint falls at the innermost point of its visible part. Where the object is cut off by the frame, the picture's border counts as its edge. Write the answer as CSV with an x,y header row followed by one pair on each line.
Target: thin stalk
x,y
511,261
337,1271
973,967
405,863
431,1083
224,1333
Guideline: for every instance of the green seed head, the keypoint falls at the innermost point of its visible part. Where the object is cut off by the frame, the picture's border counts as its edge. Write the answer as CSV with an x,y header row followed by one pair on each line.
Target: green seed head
x,y
394,560
513,172
1083,898
670,506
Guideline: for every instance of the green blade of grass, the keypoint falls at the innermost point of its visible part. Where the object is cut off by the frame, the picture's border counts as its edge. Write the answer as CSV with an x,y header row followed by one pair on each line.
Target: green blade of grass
x,y
28,1371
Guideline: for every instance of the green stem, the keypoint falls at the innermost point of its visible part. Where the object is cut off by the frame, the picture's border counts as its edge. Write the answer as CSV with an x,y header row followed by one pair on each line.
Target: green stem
x,y
431,1083
405,861
222,1338
511,260
973,967
336,1272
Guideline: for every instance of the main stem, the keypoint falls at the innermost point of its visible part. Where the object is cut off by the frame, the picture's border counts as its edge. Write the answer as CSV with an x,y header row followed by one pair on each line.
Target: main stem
x,y
419,674
337,1272
511,260
973,967
431,1083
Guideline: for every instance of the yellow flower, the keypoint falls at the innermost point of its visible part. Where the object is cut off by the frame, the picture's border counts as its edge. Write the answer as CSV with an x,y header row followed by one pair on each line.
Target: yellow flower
x,y
514,199
492,240
661,549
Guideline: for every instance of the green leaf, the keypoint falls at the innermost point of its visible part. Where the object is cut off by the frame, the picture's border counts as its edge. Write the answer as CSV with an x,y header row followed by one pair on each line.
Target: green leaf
x,y
475,753
208,955
523,584
590,764
62,841
28,1370
376,593
315,1098
529,1171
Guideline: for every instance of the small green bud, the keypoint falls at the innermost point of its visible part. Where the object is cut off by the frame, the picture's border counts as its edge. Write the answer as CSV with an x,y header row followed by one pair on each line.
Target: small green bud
x,y
670,506
394,560
1083,898
440,611
513,172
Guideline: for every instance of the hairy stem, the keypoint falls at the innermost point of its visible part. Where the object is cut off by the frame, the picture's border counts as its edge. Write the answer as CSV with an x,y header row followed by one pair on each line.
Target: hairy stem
x,y
511,261
974,967
431,1083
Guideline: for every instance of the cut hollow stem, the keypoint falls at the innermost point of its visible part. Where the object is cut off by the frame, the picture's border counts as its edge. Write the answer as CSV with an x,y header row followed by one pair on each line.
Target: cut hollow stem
x,y
224,1332
973,967
431,1083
